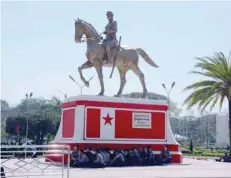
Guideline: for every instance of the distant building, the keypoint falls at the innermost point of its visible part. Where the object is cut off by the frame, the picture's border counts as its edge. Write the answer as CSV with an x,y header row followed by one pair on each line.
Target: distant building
x,y
222,130
180,137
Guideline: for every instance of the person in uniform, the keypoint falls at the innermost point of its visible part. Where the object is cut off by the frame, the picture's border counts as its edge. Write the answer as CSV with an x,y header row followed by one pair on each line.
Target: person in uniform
x,y
110,41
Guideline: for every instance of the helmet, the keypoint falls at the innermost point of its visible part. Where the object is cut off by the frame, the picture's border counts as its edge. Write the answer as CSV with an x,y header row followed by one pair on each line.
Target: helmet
x,y
110,13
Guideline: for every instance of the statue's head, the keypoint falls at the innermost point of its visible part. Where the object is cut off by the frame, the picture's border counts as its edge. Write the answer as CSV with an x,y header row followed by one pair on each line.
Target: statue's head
x,y
109,15
79,30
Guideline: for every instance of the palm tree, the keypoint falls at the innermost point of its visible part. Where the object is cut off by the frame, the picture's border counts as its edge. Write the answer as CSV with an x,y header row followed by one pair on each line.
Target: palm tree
x,y
216,86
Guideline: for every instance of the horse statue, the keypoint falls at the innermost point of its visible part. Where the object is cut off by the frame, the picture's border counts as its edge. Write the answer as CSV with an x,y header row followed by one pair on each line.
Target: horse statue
x,y
126,58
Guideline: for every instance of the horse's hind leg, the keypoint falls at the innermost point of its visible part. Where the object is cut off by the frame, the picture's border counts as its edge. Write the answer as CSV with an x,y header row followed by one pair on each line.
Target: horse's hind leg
x,y
122,81
86,65
138,72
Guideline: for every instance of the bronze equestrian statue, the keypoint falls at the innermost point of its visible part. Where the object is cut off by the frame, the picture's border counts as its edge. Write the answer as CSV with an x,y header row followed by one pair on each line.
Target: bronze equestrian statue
x,y
126,58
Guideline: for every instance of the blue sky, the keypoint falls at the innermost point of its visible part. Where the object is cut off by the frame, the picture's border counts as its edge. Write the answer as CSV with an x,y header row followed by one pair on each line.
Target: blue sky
x,y
38,48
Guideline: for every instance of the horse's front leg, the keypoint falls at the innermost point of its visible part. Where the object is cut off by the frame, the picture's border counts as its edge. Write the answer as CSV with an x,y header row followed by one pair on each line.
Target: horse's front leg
x,y
99,69
86,65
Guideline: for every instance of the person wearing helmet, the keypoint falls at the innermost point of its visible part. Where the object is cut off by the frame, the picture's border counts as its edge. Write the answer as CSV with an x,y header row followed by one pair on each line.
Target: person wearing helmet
x,y
111,41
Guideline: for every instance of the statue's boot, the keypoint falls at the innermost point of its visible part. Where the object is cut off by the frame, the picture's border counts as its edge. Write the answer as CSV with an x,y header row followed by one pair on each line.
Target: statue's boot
x,y
107,58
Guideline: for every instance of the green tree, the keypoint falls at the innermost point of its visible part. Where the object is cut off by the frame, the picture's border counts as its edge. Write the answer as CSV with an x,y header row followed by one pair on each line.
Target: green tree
x,y
39,127
4,114
30,106
175,109
43,118
215,88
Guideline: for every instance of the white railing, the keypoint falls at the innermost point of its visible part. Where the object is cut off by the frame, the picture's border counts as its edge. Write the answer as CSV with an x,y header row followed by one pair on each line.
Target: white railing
x,y
17,161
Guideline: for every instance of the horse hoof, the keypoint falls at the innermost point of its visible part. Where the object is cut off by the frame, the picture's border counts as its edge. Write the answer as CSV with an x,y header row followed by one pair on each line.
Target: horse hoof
x,y
100,94
87,84
116,96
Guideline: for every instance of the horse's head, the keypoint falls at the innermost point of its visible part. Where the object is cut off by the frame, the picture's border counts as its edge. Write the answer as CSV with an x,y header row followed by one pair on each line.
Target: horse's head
x,y
84,28
80,30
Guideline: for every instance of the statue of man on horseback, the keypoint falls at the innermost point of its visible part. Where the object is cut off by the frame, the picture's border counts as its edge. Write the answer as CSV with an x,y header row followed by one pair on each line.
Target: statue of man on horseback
x,y
125,59
110,42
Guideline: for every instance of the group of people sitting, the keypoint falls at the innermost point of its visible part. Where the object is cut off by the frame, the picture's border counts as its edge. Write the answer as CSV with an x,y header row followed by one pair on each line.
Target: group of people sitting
x,y
101,158
226,158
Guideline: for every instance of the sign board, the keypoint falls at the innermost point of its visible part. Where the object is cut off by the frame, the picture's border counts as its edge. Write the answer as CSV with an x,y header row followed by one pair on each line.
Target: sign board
x,y
141,120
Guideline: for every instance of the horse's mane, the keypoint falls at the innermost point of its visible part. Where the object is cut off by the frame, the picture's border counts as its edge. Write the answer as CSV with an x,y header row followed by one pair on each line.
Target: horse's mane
x,y
93,28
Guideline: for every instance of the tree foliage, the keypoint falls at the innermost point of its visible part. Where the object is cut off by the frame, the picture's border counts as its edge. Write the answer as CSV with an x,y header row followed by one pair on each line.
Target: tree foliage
x,y
43,118
216,85
201,130
38,128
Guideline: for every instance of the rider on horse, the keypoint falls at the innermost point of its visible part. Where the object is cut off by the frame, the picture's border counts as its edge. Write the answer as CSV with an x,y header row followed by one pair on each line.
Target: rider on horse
x,y
111,41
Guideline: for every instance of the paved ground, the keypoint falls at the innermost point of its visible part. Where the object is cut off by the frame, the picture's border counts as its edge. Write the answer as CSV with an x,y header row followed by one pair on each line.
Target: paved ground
x,y
190,168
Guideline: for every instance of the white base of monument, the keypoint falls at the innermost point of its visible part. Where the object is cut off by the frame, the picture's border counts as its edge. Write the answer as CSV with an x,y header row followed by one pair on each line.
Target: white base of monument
x,y
110,122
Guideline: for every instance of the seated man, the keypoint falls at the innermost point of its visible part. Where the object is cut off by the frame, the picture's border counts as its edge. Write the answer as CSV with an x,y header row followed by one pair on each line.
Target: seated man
x,y
165,156
89,153
83,160
106,155
135,157
118,160
143,155
147,156
99,161
101,151
74,155
227,158
128,158
150,156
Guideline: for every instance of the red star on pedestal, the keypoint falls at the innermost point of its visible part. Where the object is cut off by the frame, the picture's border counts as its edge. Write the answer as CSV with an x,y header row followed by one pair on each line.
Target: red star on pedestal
x,y
107,120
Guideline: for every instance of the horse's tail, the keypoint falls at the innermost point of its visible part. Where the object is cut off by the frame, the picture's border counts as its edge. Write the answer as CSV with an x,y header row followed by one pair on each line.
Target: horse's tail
x,y
145,56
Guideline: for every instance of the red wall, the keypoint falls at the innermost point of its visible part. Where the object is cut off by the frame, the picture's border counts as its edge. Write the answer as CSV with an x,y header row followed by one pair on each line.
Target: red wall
x,y
68,123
